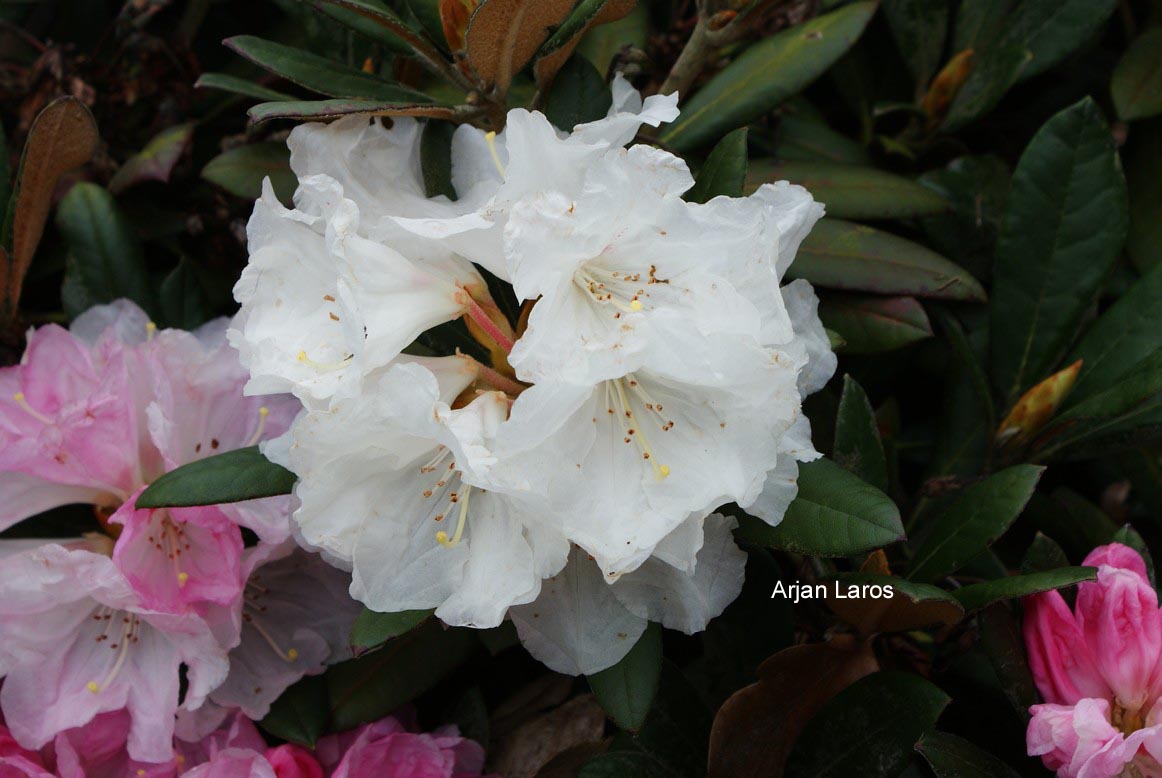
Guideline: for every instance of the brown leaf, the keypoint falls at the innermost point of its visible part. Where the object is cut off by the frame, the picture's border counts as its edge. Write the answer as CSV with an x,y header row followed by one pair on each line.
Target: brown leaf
x,y
503,35
63,137
547,66
454,16
876,562
535,743
1036,407
944,87
156,160
754,730
911,606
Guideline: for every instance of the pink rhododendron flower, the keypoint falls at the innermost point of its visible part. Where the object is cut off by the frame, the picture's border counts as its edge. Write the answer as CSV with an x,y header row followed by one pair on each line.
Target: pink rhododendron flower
x,y
386,749
1097,668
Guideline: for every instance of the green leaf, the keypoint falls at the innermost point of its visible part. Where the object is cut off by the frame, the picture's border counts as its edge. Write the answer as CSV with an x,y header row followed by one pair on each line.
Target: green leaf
x,y
372,686
858,447
973,520
602,43
976,596
240,170
332,109
911,606
766,74
436,159
804,139
835,514
844,255
723,172
1033,37
950,756
183,300
870,325
1143,164
239,86
1137,82
378,13
234,476
626,690
919,28
362,24
1120,339
106,258
979,22
1064,225
852,192
372,628
156,160
869,728
579,94
1071,520
1043,554
319,74
301,713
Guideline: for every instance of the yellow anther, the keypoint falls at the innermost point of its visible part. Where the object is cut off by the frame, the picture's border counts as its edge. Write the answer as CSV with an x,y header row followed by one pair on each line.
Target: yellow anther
x,y
182,578
664,470
20,400
93,687
140,771
635,305
264,411
292,654
18,397
490,139
441,536
302,357
150,331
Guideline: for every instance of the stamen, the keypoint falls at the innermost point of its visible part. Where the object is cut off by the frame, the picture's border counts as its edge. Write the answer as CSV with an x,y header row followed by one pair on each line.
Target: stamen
x,y
478,315
441,536
324,366
621,290
129,624
263,412
183,578
19,399
617,396
490,139
150,331
290,655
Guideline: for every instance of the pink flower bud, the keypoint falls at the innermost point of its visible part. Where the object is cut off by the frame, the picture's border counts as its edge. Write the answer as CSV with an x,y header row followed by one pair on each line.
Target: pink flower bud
x,y
1119,619
1062,665
291,761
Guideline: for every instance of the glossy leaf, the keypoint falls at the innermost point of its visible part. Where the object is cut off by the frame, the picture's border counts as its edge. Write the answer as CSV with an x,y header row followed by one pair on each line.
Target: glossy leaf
x,y
974,519
239,86
1120,339
852,192
919,28
1137,82
319,74
869,325
844,255
333,109
626,690
869,728
372,628
1043,554
950,756
1065,222
858,447
233,476
301,713
766,74
182,298
835,514
724,170
579,95
436,159
977,596
156,160
364,23
803,139
240,170
107,258
378,13
911,606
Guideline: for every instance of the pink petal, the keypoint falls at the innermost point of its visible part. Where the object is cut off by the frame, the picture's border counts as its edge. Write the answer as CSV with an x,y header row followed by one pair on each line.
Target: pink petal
x,y
291,761
1059,657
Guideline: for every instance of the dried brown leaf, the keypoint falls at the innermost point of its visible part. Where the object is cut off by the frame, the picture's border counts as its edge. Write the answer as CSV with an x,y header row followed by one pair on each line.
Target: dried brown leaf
x,y
503,35
535,743
547,66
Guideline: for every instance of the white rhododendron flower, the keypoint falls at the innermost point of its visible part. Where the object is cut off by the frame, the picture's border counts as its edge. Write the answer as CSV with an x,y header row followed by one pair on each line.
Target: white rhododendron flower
x,y
569,483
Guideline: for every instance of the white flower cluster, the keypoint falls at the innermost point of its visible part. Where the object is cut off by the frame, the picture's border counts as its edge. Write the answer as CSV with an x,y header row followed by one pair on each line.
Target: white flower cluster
x,y
656,373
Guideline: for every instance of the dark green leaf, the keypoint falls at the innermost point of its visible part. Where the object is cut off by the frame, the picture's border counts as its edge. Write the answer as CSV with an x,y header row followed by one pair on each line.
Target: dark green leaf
x,y
723,172
239,86
1120,339
869,728
1065,222
1003,644
835,514
370,687
331,109
979,22
844,255
976,596
234,476
766,74
320,74
911,606
470,715
975,518
601,44
107,261
976,187
1071,520
183,300
1043,554
1137,81
427,13
436,159
1143,164
869,325
579,94
805,139
950,756
372,628
362,24
301,713
240,170
852,192
620,764
379,14
626,690
858,447
920,28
